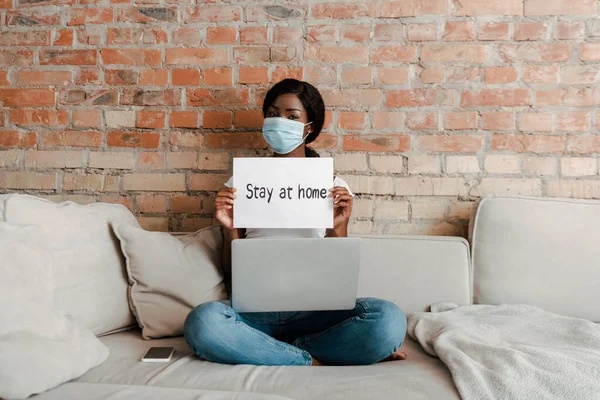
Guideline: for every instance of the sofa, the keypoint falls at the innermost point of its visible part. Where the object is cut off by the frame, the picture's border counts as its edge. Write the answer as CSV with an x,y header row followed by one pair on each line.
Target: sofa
x,y
535,251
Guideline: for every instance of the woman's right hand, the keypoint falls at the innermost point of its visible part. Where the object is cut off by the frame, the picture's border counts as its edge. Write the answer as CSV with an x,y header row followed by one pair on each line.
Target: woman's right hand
x,y
224,207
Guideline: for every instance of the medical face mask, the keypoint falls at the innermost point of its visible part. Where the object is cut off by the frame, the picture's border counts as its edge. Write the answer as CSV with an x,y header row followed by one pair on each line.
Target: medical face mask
x,y
283,134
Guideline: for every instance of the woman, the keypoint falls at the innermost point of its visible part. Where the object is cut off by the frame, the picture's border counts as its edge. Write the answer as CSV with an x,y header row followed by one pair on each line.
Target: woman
x,y
371,332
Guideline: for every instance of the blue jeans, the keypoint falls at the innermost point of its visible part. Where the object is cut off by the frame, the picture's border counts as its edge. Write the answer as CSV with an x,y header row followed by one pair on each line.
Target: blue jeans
x,y
369,333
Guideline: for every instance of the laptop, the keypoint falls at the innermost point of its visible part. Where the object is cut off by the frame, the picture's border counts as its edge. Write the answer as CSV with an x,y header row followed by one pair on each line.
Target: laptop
x,y
272,275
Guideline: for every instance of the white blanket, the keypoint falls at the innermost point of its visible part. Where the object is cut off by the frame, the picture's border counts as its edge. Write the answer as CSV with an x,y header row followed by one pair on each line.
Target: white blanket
x,y
512,351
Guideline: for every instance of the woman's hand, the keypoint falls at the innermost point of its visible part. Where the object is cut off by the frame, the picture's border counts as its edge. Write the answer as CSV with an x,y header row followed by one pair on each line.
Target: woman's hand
x,y
224,207
342,209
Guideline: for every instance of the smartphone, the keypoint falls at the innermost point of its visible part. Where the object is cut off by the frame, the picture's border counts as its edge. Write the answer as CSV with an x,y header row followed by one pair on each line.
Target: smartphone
x,y
158,354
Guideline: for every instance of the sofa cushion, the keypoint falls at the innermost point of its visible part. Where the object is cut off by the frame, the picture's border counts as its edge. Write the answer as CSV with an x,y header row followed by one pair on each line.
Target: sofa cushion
x,y
419,377
542,252
170,275
39,348
90,280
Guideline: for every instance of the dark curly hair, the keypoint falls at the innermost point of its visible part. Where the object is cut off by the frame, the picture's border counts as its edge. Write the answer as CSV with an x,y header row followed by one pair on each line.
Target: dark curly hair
x,y
311,101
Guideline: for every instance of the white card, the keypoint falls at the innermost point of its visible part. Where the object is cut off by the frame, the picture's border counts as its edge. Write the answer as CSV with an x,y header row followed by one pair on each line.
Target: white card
x,y
283,192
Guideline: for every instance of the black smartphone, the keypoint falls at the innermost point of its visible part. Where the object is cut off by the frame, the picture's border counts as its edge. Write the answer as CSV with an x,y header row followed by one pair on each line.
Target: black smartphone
x,y
158,354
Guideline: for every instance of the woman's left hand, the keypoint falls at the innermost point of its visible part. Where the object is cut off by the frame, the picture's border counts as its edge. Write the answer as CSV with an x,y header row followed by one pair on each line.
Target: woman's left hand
x,y
342,209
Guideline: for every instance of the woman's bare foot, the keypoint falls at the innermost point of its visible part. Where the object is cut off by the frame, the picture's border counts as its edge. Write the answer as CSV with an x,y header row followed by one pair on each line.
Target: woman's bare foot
x,y
397,355
316,363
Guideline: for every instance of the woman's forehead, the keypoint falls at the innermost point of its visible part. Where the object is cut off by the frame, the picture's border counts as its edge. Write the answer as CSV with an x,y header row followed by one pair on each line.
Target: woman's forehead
x,y
288,101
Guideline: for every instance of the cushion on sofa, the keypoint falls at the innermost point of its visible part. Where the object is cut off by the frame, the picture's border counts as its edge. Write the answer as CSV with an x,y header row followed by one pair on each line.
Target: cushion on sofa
x,y
39,348
538,251
90,280
170,275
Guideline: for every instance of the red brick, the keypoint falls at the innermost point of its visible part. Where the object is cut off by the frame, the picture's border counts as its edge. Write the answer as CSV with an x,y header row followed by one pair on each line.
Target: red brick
x,y
344,10
208,182
282,54
143,97
459,31
256,13
326,142
282,72
336,54
394,54
351,97
538,144
586,144
235,140
498,120
85,76
216,13
143,35
183,119
388,33
419,98
535,52
464,8
189,37
72,139
88,97
413,8
352,120
186,77
392,76
566,30
150,160
355,33
68,57
131,57
433,74
320,33
86,118
248,119
460,120
63,37
122,77
32,17
27,180
530,31
496,97
377,143
44,78
4,79
288,35
12,97
422,32
581,74
186,139
14,139
133,139
206,97
186,204
357,76
218,76
535,122
321,75
90,34
150,119
251,54
570,97
151,203
28,38
471,53
216,119
388,120
422,120
451,143
254,75
146,15
154,77
253,35
494,31
560,7
500,75
87,16
28,117
589,51
540,73
573,121
221,35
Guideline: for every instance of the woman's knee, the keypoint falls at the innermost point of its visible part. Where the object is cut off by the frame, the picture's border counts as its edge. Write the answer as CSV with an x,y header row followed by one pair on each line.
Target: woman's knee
x,y
390,321
203,325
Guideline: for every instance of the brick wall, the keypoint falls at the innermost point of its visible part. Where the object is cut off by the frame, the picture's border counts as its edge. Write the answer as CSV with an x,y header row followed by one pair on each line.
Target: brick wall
x,y
431,103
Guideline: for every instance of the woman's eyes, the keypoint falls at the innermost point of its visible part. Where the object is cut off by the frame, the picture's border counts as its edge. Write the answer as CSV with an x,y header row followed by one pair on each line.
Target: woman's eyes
x,y
271,114
293,117
274,114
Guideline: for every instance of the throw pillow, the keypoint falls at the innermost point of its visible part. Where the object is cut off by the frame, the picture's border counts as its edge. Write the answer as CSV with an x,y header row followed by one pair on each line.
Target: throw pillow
x,y
39,348
170,275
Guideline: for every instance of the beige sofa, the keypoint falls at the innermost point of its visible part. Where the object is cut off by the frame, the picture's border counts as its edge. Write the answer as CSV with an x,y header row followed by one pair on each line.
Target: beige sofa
x,y
523,252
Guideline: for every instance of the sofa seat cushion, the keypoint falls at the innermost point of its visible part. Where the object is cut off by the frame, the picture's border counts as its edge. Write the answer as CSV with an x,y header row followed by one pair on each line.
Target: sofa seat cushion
x,y
421,376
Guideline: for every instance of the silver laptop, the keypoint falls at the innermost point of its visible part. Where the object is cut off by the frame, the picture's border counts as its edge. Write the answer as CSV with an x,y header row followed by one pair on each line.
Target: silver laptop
x,y
269,275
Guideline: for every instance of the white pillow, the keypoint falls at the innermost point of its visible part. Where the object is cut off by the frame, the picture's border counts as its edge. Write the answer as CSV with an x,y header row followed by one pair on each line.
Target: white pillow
x,y
91,283
169,275
39,348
